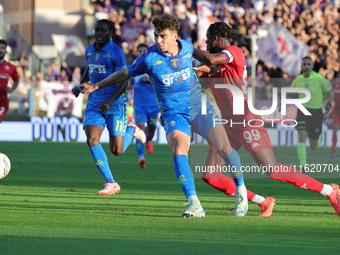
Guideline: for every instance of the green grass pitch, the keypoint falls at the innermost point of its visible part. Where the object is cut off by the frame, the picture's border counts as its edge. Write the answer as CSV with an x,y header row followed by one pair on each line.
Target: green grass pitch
x,y
48,205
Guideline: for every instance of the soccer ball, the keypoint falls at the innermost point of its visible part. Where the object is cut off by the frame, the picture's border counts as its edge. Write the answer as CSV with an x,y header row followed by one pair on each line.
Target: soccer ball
x,y
5,165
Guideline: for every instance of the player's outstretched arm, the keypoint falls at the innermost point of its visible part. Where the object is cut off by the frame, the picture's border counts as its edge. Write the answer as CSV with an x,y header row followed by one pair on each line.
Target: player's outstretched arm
x,y
76,90
117,77
14,86
106,105
209,58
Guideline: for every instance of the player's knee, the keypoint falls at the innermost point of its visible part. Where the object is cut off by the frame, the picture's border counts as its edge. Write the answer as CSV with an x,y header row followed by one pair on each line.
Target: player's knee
x,y
224,149
91,142
313,146
117,151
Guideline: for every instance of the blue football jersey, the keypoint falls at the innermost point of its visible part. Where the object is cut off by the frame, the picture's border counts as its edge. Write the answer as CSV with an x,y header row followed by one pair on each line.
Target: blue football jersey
x,y
175,83
144,94
101,64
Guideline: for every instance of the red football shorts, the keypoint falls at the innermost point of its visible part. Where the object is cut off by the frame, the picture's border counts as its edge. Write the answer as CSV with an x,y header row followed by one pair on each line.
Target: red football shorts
x,y
253,139
3,109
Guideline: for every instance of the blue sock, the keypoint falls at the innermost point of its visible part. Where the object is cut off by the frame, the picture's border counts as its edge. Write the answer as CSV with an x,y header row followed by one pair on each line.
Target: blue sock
x,y
102,164
128,137
235,164
183,174
140,149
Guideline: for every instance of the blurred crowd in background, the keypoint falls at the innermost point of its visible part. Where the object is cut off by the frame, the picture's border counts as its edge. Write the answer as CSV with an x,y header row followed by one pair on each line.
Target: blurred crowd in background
x,y
315,23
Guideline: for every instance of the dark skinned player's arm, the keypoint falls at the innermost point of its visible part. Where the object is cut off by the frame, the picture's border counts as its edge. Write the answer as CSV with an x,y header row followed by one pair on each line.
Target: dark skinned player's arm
x,y
76,90
210,59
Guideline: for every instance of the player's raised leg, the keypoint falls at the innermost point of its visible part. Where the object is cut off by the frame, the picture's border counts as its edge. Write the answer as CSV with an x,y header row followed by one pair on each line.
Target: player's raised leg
x,y
219,139
226,185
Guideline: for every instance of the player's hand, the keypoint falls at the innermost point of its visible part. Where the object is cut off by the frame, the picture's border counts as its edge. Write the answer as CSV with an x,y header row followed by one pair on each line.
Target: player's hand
x,y
104,106
76,91
87,87
326,115
215,69
7,90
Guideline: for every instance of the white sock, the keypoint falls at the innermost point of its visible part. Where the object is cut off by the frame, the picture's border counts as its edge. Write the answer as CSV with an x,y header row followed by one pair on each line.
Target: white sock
x,y
258,199
193,198
326,190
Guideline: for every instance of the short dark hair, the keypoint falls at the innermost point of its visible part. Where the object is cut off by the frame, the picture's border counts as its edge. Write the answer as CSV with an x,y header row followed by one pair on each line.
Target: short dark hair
x,y
307,57
3,42
222,30
107,22
142,45
166,21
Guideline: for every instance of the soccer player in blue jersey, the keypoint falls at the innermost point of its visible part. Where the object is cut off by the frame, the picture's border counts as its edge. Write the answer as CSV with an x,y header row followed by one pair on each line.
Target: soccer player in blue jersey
x,y
103,58
169,66
146,108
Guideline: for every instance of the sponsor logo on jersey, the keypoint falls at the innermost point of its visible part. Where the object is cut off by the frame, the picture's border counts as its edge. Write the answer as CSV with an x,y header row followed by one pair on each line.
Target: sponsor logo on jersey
x,y
159,62
107,56
89,54
4,76
100,69
255,144
170,78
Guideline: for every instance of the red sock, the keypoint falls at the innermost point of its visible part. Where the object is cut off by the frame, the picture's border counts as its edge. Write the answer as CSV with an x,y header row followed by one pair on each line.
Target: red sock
x,y
295,177
334,141
223,183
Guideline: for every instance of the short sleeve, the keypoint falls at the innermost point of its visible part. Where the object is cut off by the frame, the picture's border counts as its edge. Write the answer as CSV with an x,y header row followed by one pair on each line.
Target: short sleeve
x,y
139,66
119,60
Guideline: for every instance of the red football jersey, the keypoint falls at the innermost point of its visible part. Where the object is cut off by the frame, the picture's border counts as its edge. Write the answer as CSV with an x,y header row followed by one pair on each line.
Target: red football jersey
x,y
6,70
235,74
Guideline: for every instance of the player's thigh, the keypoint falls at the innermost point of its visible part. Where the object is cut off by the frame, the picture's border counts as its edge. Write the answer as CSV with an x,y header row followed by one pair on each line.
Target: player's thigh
x,y
140,115
301,120
152,116
178,142
177,129
314,124
93,134
3,109
116,121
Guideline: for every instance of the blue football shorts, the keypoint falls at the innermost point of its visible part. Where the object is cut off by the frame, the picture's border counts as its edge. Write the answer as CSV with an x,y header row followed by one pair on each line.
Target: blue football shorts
x,y
147,114
200,124
115,121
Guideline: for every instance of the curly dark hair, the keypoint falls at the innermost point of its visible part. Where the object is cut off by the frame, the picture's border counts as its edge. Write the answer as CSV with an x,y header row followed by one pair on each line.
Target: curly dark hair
x,y
222,30
3,42
166,21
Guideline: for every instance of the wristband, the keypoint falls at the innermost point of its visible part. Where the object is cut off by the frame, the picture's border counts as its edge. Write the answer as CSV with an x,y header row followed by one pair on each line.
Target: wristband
x,y
328,107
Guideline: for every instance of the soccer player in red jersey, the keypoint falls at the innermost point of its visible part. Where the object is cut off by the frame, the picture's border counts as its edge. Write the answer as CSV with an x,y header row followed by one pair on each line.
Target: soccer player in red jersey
x,y
232,66
6,70
335,116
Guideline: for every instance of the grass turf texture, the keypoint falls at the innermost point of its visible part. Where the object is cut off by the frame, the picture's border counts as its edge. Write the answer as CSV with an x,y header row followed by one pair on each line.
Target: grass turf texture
x,y
48,205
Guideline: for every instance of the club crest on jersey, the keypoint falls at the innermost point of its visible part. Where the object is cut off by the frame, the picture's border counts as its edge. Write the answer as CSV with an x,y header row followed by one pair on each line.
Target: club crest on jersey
x,y
7,68
174,63
172,123
306,85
